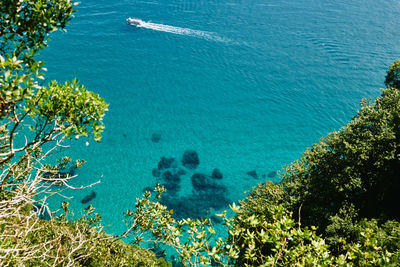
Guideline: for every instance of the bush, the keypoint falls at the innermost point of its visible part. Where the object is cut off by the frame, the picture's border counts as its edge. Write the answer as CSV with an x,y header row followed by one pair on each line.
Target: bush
x,y
358,165
393,75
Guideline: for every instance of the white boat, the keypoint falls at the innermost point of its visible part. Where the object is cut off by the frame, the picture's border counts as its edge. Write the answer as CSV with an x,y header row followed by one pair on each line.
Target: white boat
x,y
134,22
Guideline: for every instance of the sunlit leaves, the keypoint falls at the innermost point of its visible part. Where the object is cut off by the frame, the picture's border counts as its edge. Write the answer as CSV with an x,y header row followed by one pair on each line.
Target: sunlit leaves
x,y
75,110
26,24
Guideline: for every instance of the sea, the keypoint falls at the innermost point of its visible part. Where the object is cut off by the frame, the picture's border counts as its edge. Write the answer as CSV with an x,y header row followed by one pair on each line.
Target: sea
x,y
240,86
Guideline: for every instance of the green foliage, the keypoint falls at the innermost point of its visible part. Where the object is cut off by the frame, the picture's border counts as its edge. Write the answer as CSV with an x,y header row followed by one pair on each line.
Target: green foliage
x,y
75,110
357,165
25,25
263,199
266,234
193,240
34,121
53,112
342,226
393,75
276,241
62,242
24,30
376,246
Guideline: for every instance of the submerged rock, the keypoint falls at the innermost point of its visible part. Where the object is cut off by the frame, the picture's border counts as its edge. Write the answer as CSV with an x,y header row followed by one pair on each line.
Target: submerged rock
x,y
190,159
272,174
166,163
204,185
88,198
253,174
172,188
200,181
171,177
181,171
196,205
217,174
155,137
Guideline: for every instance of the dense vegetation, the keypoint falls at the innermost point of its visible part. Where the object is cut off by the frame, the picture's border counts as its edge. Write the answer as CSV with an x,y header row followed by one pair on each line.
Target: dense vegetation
x,y
393,75
336,205
346,185
36,118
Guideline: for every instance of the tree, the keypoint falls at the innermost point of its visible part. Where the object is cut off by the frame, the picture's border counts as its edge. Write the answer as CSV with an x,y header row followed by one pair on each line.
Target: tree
x,y
393,75
262,237
35,120
254,239
358,164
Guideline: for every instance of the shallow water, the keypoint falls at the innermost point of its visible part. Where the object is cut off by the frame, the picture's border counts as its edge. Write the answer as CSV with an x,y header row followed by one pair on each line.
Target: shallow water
x,y
248,85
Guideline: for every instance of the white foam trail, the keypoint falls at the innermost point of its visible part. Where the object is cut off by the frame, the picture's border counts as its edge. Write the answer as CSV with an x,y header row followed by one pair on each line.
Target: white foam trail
x,y
182,31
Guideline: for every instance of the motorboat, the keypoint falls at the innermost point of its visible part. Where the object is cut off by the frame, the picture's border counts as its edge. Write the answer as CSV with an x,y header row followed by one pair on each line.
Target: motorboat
x,y
134,22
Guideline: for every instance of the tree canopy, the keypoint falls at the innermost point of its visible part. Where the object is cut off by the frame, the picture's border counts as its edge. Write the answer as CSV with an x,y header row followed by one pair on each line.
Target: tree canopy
x,y
393,75
35,118
33,113
357,167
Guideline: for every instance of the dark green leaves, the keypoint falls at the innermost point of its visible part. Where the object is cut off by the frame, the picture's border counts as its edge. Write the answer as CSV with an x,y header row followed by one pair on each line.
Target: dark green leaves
x,y
25,25
393,75
359,164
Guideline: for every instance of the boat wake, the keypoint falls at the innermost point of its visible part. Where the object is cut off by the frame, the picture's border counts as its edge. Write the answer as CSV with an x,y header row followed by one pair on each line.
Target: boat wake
x,y
182,31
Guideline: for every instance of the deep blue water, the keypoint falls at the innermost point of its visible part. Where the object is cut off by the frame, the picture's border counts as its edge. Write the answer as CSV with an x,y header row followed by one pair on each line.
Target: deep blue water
x,y
247,84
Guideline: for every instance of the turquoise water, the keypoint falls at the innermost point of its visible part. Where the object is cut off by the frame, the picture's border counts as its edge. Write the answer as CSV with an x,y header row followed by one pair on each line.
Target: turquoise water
x,y
248,85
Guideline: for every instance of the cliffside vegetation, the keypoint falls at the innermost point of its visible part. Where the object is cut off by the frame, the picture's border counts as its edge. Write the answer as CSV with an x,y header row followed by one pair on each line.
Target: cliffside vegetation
x,y
336,205
36,118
